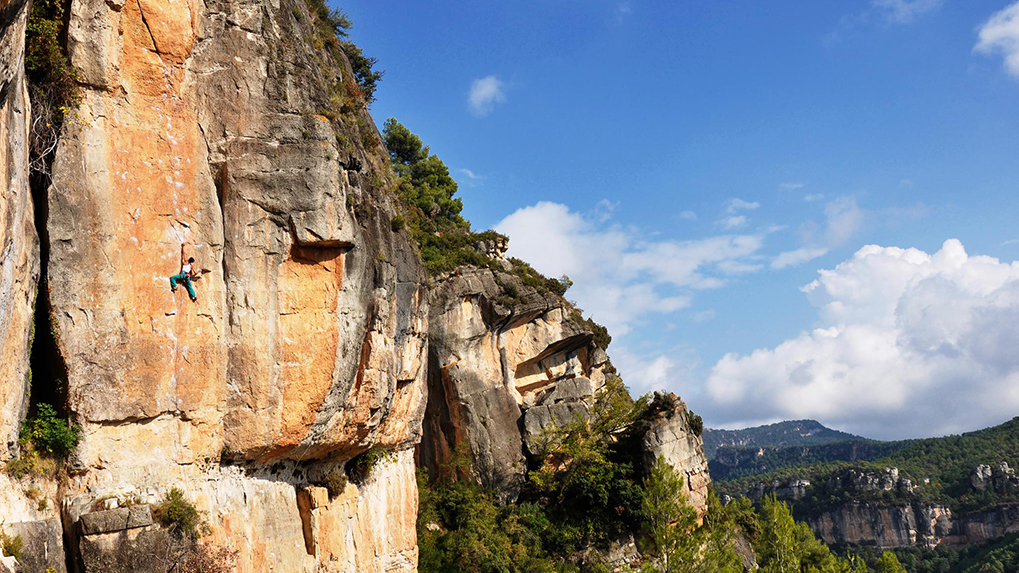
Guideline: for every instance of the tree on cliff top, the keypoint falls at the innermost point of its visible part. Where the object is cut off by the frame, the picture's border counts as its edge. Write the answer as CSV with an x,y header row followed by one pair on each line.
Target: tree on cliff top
x,y
52,84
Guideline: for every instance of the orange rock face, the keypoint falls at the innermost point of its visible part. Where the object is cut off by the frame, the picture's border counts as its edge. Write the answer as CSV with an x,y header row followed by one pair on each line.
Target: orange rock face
x,y
200,125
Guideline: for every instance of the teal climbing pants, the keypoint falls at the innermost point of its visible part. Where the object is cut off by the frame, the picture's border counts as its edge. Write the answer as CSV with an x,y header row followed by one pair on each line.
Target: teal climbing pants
x,y
182,278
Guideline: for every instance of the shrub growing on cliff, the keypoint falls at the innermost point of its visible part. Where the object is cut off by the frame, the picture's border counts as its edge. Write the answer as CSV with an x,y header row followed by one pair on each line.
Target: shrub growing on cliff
x,y
335,482
362,466
462,528
601,334
696,424
52,83
431,213
332,27
47,433
12,545
179,515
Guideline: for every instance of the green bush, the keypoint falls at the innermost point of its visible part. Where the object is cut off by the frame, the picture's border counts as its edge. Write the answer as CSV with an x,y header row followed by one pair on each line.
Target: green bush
x,y
696,424
335,482
49,434
179,515
601,334
462,528
12,545
361,466
52,82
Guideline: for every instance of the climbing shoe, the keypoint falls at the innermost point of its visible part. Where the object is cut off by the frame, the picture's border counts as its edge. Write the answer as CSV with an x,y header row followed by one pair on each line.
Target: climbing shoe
x,y
194,299
173,289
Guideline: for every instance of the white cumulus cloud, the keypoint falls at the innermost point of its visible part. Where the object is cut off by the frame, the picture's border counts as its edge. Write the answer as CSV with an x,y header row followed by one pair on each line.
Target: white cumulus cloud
x,y
907,344
619,276
1000,35
484,94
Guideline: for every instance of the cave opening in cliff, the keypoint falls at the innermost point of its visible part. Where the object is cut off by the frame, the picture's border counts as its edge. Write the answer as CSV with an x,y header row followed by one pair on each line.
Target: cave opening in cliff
x,y
48,369
52,90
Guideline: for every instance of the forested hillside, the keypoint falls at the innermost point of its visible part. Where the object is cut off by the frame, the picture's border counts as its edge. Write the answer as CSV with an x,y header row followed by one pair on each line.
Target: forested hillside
x,y
963,472
778,435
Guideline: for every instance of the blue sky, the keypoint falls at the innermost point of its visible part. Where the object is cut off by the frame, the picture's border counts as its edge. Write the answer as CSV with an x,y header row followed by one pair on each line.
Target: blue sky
x,y
694,165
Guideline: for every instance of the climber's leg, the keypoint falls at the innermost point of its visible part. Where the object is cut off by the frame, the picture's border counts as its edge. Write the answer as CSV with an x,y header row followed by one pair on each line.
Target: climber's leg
x,y
187,285
174,280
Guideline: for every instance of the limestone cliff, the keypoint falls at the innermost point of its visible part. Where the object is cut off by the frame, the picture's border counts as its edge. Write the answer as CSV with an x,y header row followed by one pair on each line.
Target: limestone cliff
x,y
232,128
19,243
236,129
870,518
507,361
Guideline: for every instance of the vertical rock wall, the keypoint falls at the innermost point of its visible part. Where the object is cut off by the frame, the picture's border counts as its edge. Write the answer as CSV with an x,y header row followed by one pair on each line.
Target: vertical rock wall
x,y
216,125
491,361
19,243
669,434
502,369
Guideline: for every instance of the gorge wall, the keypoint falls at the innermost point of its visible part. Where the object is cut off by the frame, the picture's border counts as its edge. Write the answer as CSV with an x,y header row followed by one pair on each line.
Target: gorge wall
x,y
202,123
881,508
236,129
19,242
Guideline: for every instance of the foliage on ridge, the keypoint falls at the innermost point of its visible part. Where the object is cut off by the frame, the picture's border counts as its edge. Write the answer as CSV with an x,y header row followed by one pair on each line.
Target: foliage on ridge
x,y
432,214
52,82
778,435
585,492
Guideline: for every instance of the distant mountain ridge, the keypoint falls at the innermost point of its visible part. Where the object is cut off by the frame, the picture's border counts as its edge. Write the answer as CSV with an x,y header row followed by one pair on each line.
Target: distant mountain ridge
x,y
778,435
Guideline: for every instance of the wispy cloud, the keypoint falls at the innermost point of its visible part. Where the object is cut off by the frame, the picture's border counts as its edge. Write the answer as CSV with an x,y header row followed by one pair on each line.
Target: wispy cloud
x,y
733,222
620,276
905,11
813,197
886,12
485,94
1000,35
622,11
797,257
735,204
688,216
469,174
843,217
703,316
791,186
1009,242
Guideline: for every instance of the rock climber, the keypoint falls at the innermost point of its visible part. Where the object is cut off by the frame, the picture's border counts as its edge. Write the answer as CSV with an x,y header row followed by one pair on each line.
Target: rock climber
x,y
187,274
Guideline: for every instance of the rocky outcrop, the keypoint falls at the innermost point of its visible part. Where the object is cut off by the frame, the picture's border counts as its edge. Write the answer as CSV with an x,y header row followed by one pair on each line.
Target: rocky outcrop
x,y
1001,479
731,463
669,433
19,243
500,370
860,483
916,524
507,362
884,526
871,520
